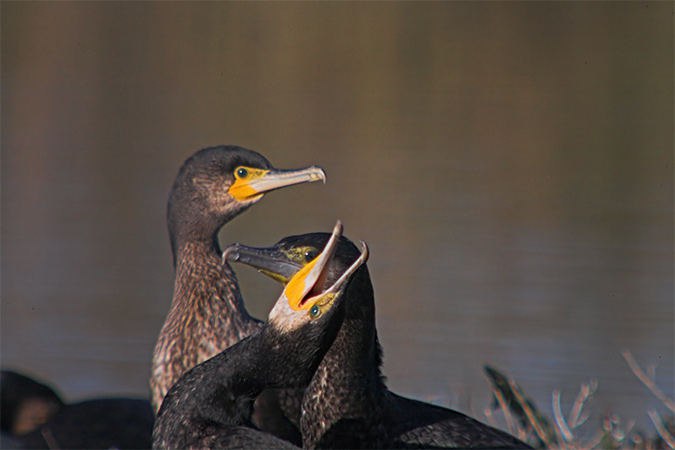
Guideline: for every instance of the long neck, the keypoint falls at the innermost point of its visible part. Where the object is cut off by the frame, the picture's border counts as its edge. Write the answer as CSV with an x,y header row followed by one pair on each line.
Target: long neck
x,y
229,382
190,230
348,383
208,289
207,315
190,222
214,395
219,393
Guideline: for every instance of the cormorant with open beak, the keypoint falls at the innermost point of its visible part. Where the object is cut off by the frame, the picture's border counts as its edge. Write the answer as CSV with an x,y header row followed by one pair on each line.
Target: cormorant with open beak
x,y
347,403
211,405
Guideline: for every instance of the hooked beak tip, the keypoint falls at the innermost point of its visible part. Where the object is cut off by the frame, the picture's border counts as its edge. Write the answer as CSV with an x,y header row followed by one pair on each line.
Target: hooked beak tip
x,y
230,255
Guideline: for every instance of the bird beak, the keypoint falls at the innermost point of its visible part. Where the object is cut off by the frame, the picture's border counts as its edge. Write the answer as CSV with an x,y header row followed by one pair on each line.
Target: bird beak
x,y
301,282
270,261
313,276
308,286
258,181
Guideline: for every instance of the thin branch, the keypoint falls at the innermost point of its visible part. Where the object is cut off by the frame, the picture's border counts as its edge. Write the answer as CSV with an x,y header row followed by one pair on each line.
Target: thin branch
x,y
505,409
582,420
561,439
530,414
587,390
597,439
559,418
661,429
629,427
648,381
578,404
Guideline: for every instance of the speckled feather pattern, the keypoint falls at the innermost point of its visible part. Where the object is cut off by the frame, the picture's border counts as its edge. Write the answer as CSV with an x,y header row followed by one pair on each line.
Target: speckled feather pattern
x,y
349,411
207,314
347,403
206,317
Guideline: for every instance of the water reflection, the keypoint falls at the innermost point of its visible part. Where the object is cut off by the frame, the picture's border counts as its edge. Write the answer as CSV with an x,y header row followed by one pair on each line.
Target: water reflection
x,y
509,165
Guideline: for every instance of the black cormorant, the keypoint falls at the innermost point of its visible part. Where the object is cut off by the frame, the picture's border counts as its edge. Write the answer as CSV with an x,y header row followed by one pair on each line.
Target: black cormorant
x,y
34,416
210,406
347,403
207,313
25,403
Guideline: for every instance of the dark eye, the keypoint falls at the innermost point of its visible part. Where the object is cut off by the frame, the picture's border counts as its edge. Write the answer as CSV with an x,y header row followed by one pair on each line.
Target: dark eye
x,y
242,173
310,255
314,311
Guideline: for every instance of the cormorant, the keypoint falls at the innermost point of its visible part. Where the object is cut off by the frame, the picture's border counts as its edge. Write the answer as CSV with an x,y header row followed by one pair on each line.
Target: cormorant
x,y
25,403
347,403
207,313
210,406
34,416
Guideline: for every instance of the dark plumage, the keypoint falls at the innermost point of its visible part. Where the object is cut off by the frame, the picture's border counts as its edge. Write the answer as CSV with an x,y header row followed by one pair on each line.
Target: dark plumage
x,y
102,423
207,313
123,423
347,403
211,405
25,403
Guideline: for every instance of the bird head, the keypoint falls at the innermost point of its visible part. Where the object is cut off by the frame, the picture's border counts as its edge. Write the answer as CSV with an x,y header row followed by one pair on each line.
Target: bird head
x,y
218,183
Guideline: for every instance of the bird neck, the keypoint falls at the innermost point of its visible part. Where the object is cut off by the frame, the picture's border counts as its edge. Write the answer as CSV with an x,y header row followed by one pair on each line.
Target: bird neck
x,y
356,345
222,389
206,316
203,280
217,393
349,377
188,239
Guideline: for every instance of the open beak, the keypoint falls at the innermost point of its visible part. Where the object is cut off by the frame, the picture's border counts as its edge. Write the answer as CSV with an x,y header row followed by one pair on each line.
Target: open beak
x,y
302,283
258,181
308,286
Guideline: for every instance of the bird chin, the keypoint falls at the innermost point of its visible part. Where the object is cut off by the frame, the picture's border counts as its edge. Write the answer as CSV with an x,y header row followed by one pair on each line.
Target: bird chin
x,y
286,319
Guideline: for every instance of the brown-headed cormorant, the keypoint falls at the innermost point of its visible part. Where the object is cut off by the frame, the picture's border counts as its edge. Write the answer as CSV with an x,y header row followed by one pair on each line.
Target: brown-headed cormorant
x,y
207,313
210,406
347,403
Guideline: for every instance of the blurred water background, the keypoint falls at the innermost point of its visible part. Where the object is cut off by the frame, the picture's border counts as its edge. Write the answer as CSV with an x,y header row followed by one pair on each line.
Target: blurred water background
x,y
509,164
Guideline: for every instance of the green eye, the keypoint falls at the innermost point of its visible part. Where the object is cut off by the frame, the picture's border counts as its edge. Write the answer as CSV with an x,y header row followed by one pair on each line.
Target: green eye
x,y
314,311
310,255
242,173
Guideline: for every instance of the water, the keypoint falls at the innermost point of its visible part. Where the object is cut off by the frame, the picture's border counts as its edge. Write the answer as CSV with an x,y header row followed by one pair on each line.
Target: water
x,y
509,164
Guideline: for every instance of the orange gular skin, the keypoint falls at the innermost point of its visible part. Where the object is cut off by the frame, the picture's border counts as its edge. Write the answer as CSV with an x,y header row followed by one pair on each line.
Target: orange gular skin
x,y
313,275
297,288
243,188
250,183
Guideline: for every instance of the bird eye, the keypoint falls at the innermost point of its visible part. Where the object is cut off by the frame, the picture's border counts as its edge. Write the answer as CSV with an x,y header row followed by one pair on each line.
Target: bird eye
x,y
310,255
314,311
242,173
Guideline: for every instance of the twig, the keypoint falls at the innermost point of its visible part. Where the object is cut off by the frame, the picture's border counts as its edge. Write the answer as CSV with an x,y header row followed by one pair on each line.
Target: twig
x,y
597,439
530,414
661,429
629,427
648,381
587,390
559,418
561,439
579,404
612,424
505,409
